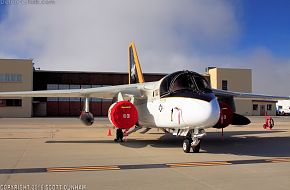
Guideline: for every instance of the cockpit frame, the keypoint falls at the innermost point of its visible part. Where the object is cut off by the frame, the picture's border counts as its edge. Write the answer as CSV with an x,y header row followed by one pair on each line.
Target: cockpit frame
x,y
184,84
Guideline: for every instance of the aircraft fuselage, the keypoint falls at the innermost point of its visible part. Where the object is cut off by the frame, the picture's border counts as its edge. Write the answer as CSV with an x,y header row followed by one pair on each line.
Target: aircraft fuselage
x,y
183,99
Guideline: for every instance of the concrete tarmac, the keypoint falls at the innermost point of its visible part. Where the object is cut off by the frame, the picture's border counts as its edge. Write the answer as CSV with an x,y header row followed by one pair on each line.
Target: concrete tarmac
x,y
61,153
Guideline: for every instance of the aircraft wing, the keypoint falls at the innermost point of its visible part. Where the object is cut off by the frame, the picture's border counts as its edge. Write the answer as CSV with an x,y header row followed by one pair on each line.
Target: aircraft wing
x,y
107,92
242,95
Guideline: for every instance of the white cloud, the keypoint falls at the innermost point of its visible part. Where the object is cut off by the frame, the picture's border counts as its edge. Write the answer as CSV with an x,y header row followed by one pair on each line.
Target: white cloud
x,y
170,35
95,34
270,74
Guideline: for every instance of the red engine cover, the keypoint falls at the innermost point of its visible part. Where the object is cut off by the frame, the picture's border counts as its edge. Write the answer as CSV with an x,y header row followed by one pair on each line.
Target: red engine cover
x,y
226,116
123,114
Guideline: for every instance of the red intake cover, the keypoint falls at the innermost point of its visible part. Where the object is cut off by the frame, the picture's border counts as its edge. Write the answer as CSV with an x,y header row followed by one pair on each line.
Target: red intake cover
x,y
226,116
123,114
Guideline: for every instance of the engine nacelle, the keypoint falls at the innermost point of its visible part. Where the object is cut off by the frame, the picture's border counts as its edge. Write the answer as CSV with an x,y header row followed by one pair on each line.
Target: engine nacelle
x,y
87,118
226,116
123,114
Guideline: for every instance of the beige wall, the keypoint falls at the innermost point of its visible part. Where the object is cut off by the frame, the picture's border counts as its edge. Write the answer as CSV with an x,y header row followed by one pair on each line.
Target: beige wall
x,y
25,68
213,78
239,80
243,107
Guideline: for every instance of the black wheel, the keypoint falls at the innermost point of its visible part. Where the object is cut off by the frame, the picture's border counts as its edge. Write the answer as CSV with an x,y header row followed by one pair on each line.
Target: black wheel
x,y
196,148
119,135
271,123
186,145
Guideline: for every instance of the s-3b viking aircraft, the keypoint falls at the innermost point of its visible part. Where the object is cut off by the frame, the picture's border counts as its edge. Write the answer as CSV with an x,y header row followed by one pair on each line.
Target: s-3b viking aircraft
x,y
181,103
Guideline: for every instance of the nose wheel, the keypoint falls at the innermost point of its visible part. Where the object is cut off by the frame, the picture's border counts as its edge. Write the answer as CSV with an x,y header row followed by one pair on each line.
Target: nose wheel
x,y
188,143
193,140
196,148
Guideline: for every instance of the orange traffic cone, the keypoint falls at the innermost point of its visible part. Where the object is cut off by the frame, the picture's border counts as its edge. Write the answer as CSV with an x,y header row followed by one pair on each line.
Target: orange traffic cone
x,y
109,132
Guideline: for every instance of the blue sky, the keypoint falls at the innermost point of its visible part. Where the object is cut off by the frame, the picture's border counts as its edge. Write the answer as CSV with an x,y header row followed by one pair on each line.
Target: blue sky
x,y
170,35
266,23
3,12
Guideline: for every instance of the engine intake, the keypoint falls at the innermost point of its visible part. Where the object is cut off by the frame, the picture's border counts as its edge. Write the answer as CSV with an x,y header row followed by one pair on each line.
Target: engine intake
x,y
123,114
87,118
226,116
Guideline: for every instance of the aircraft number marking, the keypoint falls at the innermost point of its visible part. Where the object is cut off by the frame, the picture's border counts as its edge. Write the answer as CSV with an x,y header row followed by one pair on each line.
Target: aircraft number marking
x,y
126,116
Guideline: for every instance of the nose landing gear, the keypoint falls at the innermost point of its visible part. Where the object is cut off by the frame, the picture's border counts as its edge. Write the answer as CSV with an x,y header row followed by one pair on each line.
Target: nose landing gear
x,y
186,145
193,140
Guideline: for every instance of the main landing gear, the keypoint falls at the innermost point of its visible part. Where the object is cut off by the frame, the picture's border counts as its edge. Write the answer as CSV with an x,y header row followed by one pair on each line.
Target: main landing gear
x,y
119,135
193,140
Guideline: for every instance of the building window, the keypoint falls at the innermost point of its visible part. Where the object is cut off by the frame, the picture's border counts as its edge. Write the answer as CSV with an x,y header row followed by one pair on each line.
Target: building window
x,y
52,87
96,99
269,107
255,107
224,85
10,103
63,87
74,86
10,77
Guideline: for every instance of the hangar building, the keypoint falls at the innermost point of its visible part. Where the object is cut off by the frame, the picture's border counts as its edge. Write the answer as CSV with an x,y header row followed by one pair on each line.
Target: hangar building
x,y
59,80
20,75
16,75
240,80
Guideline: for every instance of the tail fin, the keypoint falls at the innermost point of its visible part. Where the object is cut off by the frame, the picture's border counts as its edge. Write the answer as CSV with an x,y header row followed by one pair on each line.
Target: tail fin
x,y
135,72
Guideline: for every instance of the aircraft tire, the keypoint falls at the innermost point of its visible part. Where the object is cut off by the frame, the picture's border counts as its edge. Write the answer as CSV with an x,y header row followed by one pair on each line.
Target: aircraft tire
x,y
196,148
119,135
186,145
271,123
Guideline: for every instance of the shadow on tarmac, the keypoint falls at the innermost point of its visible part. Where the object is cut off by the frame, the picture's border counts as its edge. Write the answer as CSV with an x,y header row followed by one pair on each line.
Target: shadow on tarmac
x,y
235,143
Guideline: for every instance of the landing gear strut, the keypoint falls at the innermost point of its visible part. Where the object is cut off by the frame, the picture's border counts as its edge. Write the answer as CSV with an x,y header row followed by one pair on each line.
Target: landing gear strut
x,y
193,140
119,135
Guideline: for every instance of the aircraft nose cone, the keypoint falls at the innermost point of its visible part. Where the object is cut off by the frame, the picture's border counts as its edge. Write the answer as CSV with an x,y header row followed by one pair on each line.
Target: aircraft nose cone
x,y
202,113
213,113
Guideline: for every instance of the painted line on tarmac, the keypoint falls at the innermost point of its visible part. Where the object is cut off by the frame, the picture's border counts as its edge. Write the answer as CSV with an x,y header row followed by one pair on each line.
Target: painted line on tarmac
x,y
275,160
192,164
142,166
83,168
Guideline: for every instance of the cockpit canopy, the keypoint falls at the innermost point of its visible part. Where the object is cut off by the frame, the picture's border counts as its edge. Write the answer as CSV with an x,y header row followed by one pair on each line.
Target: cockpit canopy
x,y
184,81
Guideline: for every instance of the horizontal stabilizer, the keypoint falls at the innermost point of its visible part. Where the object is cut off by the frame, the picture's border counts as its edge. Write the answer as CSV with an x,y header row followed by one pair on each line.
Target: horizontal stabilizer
x,y
240,120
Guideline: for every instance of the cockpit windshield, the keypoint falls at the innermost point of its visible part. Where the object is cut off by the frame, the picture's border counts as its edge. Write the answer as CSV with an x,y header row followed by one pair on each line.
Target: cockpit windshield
x,y
183,82
202,83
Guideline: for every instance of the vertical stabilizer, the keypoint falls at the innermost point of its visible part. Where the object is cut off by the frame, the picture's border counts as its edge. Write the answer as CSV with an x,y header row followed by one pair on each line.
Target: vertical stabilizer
x,y
135,72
